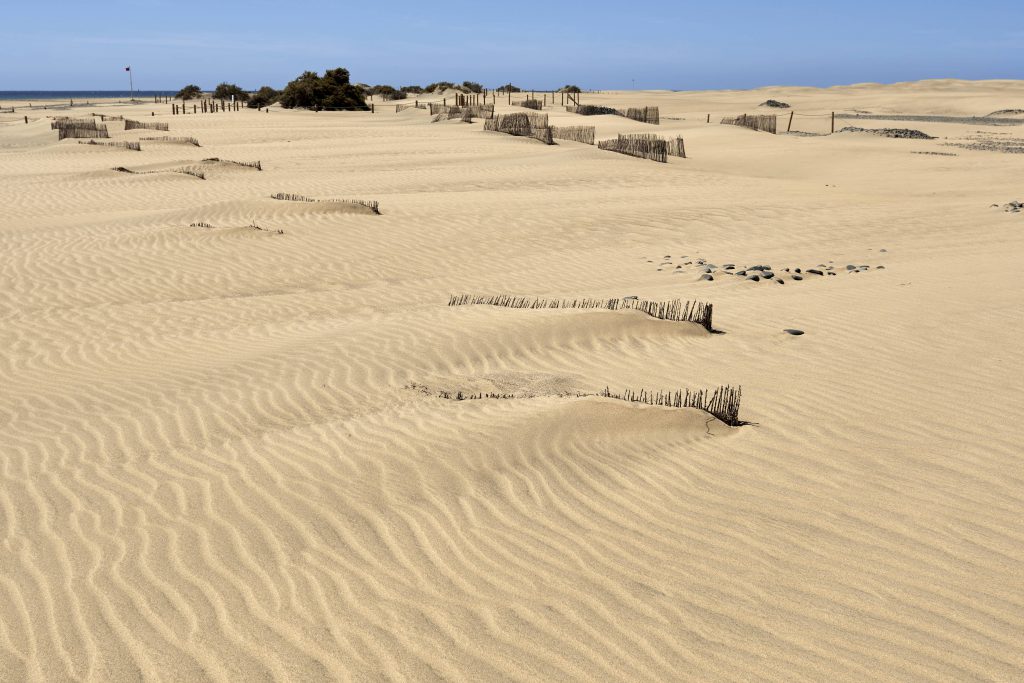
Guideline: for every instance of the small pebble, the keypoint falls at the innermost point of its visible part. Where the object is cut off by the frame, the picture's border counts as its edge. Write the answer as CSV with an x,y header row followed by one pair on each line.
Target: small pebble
x,y
767,274
850,267
816,272
707,276
797,270
780,280
798,277
879,267
883,250
793,331
741,272
755,278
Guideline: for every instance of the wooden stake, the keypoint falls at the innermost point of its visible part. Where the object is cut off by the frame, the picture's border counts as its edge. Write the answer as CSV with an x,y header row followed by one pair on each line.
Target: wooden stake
x,y
789,127
833,122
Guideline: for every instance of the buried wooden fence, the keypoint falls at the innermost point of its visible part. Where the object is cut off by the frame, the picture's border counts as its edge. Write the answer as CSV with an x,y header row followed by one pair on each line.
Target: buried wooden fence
x,y
584,134
650,115
530,104
78,128
641,145
371,204
129,124
134,146
723,402
445,112
179,140
675,310
760,122
522,124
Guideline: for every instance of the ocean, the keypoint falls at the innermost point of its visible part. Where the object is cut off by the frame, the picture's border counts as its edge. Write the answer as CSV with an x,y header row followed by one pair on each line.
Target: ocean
x,y
79,94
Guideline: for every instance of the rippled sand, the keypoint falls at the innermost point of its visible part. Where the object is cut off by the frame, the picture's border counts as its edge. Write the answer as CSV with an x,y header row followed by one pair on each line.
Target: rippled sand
x,y
212,465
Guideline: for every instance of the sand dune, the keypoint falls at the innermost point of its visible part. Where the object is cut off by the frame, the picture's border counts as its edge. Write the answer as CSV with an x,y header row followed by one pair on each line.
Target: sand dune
x,y
223,454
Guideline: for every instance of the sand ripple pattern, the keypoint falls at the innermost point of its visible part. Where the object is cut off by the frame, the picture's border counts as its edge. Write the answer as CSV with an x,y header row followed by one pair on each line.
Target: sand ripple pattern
x,y
211,467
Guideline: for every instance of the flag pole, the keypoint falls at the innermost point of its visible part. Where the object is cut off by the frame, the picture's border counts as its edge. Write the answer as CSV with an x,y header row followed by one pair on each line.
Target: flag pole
x,y
131,85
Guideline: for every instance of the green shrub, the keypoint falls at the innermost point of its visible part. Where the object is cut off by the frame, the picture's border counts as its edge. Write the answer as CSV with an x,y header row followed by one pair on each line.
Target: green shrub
x,y
189,92
264,97
440,85
508,87
570,88
472,87
412,89
224,91
330,91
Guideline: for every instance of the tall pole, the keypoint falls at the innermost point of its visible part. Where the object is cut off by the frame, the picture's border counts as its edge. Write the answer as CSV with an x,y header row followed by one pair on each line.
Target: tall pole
x,y
131,84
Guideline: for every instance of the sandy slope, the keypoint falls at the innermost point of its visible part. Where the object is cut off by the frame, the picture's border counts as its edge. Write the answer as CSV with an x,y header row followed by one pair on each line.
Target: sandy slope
x,y
212,468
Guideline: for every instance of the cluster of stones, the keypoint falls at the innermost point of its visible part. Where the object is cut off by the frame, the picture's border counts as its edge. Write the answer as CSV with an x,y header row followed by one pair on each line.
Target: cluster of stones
x,y
764,273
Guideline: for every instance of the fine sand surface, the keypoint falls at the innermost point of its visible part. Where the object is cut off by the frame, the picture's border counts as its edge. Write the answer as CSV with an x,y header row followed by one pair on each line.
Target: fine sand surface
x,y
214,464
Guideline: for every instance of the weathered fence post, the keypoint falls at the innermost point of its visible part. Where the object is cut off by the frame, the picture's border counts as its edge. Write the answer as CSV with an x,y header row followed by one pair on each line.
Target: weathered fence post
x,y
371,107
789,126
833,122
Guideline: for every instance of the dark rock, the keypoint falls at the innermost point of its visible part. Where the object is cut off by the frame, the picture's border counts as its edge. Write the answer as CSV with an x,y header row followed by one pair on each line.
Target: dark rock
x,y
775,104
741,272
815,271
797,277
793,331
902,133
754,278
707,276
780,280
849,267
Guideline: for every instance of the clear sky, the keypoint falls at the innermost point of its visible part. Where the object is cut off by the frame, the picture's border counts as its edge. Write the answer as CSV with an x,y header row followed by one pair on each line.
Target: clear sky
x,y
60,45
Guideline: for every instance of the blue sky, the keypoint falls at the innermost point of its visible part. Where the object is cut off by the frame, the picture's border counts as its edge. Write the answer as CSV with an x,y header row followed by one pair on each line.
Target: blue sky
x,y
60,45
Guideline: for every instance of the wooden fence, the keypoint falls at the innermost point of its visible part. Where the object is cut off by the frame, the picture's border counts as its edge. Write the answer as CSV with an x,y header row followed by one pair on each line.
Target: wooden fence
x,y
584,134
78,128
760,122
643,114
156,125
522,124
641,145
